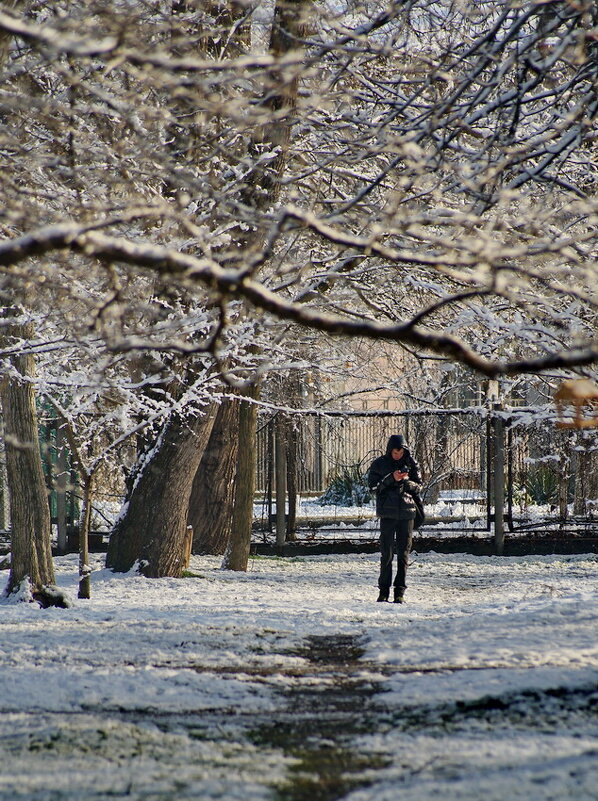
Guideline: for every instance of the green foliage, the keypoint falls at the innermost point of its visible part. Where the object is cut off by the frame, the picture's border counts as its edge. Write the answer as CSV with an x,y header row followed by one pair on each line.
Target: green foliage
x,y
347,488
521,496
542,485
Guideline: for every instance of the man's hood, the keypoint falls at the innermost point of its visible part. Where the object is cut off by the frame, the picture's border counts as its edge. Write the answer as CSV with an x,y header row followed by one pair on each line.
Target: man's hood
x,y
395,441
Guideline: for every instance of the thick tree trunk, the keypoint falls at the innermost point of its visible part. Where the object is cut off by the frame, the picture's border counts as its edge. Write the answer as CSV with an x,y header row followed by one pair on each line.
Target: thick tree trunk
x,y
237,554
263,189
31,543
31,528
152,529
212,495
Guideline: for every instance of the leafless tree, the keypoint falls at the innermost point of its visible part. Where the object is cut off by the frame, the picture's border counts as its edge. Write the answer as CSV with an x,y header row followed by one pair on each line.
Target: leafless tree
x,y
422,174
31,570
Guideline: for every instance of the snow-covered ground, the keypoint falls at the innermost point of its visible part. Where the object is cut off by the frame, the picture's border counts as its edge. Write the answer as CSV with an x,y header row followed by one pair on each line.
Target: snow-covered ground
x,y
233,686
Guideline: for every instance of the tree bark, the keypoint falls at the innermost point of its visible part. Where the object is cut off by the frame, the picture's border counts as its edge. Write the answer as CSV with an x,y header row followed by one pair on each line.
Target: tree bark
x,y
31,527
152,529
84,528
582,471
31,533
168,495
212,494
237,553
563,483
263,189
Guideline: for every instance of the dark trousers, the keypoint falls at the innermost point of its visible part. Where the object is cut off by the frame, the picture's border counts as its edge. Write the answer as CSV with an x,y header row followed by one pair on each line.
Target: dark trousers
x,y
393,533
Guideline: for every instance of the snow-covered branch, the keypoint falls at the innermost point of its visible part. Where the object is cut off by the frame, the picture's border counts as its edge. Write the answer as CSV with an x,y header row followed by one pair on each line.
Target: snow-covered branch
x,y
189,269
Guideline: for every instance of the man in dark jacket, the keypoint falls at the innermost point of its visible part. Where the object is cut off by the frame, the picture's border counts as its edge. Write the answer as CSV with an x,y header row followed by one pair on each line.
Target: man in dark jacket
x,y
395,477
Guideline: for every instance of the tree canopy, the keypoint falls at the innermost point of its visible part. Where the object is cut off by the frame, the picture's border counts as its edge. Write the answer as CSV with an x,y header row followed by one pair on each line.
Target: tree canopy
x,y
195,173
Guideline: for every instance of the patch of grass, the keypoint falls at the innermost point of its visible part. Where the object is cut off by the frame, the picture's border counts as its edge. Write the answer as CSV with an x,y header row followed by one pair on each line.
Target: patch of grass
x,y
321,723
327,773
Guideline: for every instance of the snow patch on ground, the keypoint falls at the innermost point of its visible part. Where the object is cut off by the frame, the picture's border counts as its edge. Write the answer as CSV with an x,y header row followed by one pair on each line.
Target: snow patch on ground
x,y
485,682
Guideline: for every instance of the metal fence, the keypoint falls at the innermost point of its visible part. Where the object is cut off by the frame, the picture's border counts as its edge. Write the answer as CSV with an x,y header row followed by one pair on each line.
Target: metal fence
x,y
547,470
550,474
552,469
450,446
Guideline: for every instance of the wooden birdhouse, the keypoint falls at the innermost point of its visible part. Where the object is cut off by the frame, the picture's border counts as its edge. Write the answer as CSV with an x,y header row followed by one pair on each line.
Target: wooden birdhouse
x,y
577,404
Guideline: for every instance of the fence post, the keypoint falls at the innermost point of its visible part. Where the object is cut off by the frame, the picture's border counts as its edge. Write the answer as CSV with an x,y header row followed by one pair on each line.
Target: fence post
x,y
510,477
498,480
563,484
280,475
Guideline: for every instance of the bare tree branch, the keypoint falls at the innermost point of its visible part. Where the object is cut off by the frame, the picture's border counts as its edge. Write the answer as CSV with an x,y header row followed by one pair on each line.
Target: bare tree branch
x,y
189,269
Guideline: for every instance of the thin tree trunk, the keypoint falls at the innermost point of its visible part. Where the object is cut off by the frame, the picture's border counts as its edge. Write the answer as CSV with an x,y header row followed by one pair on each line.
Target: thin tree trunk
x,y
563,484
64,435
31,534
152,529
237,553
212,495
582,470
84,527
263,189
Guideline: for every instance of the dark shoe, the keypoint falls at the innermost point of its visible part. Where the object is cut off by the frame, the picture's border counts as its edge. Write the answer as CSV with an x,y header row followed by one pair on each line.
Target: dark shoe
x,y
398,599
383,596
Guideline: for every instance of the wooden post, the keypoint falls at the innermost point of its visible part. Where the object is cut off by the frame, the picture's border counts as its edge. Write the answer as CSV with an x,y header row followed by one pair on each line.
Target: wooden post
x,y
492,398
280,479
188,547
498,470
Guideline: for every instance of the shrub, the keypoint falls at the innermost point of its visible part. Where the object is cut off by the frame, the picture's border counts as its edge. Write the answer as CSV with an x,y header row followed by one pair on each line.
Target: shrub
x,y
347,488
542,486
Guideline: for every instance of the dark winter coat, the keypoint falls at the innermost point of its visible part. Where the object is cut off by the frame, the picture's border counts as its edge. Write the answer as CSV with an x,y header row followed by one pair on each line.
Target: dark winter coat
x,y
394,499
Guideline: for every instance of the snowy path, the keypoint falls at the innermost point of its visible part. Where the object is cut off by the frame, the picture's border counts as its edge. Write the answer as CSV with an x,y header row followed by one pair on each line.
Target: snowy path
x,y
290,682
